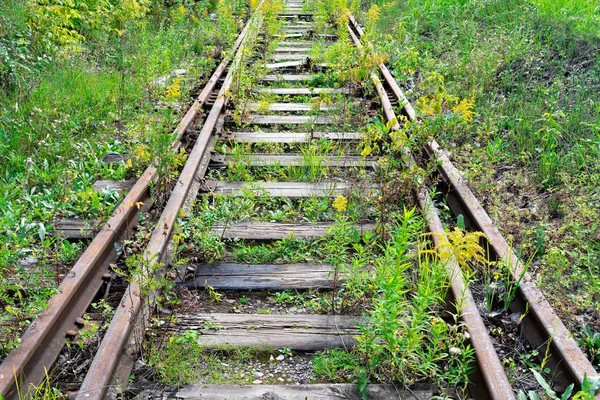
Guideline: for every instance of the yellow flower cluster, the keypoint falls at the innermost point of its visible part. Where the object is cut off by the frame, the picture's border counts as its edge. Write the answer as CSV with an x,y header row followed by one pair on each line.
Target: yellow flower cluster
x,y
340,203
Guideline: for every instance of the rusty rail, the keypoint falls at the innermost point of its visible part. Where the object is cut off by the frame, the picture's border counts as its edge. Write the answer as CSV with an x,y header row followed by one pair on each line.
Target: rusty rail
x,y
131,312
541,325
492,372
43,341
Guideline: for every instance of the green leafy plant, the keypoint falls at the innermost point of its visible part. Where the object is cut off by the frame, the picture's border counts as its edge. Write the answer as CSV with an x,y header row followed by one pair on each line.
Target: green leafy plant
x,y
401,338
590,341
548,390
589,387
212,293
286,351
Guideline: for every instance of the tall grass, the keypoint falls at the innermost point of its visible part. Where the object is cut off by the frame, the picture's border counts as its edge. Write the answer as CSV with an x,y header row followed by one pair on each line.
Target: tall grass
x,y
583,14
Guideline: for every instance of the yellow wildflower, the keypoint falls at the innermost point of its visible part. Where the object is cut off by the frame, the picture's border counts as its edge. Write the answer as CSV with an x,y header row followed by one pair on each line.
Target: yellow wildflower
x,y
465,109
366,151
340,203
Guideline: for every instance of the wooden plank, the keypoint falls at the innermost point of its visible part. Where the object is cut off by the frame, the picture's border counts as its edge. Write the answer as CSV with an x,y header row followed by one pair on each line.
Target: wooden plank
x,y
290,49
319,391
297,28
293,190
297,43
299,332
302,91
262,276
288,56
298,25
288,160
290,35
294,15
289,78
287,64
100,185
292,64
299,107
289,137
291,119
278,230
74,228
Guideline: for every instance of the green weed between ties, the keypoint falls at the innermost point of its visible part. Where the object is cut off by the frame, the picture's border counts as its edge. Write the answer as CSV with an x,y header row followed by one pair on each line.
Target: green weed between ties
x,y
402,339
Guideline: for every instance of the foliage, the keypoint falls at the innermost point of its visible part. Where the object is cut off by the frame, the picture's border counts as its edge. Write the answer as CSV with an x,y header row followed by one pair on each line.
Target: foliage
x,y
590,341
333,363
549,392
44,391
182,360
587,392
523,67
402,339
464,246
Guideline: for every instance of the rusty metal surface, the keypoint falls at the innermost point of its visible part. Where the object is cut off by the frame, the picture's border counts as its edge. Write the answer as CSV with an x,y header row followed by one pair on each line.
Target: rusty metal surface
x,y
492,372
407,108
491,369
43,340
541,324
131,311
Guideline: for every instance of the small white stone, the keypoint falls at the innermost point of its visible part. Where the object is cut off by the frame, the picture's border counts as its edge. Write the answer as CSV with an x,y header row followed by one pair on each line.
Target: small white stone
x,y
162,81
271,358
280,357
257,382
258,374
178,72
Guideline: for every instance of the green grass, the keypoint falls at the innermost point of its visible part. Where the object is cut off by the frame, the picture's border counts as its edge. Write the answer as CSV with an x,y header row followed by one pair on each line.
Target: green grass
x,y
583,14
182,360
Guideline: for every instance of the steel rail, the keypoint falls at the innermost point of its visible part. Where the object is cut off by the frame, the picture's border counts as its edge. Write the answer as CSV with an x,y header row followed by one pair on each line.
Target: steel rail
x,y
45,337
490,367
541,325
131,311
407,108
43,340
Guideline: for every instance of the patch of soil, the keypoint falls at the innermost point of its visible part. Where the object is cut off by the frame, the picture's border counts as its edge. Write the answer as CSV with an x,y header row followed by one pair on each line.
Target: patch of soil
x,y
505,330
239,303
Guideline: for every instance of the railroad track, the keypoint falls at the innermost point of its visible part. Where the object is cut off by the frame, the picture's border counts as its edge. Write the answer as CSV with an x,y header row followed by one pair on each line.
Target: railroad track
x,y
291,120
